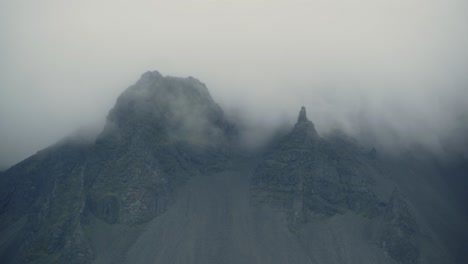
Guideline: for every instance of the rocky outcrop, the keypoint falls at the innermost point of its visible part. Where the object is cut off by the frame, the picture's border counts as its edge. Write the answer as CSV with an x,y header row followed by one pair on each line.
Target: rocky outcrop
x,y
165,183
161,132
323,178
312,178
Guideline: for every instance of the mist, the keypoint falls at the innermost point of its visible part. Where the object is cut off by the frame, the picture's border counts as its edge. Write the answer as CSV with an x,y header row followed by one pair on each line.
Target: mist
x,y
391,73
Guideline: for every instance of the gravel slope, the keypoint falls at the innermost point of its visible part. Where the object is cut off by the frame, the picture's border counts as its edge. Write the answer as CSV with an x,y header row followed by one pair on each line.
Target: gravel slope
x,y
213,220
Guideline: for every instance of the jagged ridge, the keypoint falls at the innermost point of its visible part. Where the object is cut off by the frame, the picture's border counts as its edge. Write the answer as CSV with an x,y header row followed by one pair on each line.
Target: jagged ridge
x,y
162,183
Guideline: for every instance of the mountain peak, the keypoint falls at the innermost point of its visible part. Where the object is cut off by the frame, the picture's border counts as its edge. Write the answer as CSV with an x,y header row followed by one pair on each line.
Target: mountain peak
x,y
149,76
304,126
302,116
176,107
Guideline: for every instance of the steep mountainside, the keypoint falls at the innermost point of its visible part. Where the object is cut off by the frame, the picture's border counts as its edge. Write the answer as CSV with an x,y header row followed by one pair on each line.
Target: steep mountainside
x,y
161,131
165,182
314,179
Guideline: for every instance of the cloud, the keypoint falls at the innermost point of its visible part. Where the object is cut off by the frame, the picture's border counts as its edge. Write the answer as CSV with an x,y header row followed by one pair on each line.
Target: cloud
x,y
390,72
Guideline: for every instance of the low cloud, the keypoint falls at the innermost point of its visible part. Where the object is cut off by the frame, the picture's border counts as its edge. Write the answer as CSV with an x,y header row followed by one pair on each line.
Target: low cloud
x,y
391,73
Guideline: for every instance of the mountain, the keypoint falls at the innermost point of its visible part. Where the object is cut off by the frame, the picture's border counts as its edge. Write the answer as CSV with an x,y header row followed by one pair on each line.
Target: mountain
x,y
315,180
166,182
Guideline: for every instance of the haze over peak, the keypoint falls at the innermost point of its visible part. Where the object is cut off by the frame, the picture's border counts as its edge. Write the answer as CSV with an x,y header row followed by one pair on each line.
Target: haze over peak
x,y
389,72
178,108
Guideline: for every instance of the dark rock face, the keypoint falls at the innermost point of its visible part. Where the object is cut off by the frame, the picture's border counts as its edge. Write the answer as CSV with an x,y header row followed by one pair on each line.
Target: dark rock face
x,y
165,183
316,176
311,178
42,199
399,236
162,131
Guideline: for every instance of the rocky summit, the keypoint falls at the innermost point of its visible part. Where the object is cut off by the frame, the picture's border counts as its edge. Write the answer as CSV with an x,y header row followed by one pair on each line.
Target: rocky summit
x,y
166,182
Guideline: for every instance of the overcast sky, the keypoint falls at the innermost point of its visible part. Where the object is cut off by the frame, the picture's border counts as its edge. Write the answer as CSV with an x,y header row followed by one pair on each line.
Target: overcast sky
x,y
395,71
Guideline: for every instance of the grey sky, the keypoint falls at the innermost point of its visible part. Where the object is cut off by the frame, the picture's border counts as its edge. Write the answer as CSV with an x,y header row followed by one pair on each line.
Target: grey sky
x,y
398,69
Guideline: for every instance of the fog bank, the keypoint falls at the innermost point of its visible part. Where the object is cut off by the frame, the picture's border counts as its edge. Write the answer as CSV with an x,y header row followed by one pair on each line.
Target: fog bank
x,y
391,73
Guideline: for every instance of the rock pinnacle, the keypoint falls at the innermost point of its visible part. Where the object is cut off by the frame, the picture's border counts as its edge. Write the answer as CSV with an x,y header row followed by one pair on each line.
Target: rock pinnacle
x,y
302,116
